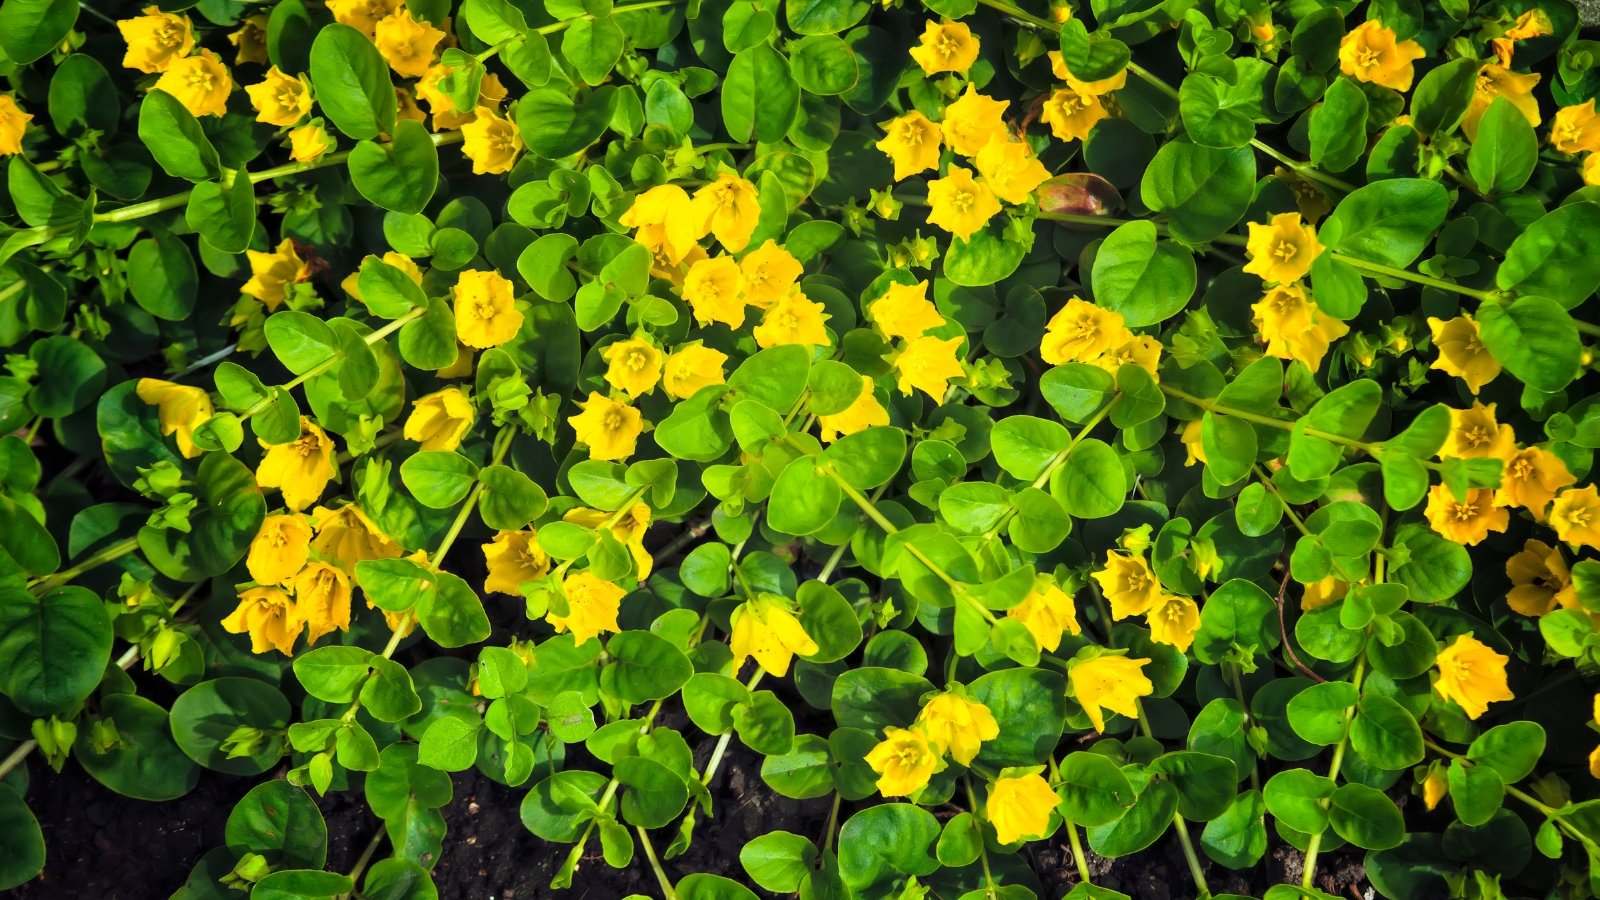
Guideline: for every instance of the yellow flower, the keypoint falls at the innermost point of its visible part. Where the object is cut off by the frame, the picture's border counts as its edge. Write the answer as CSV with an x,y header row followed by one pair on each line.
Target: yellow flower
x,y
1109,682
960,204
1474,434
1193,447
592,607
713,289
945,47
1590,170
1174,620
1472,676
492,143
1294,328
272,273
1071,115
692,367
250,41
912,143
609,427
1465,523
13,125
280,549
1540,580
927,364
180,408
665,221
904,311
514,558
769,272
269,617
770,633
363,15
322,598
440,420
633,366
406,43
1081,332
491,93
1047,612
486,310
1128,584
309,142
1576,517
629,530
156,40
1576,129
1322,593
957,725
730,208
346,536
863,413
905,759
1531,478
301,468
972,121
1499,81
1011,170
1461,352
1594,763
1142,350
1434,788
1058,68
795,319
1282,250
200,82
1371,53
1019,807
281,99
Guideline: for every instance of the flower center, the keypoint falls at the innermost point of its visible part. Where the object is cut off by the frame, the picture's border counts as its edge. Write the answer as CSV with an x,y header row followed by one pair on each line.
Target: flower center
x,y
200,79
500,140
1366,57
484,309
962,201
948,45
169,36
1465,512
612,422
1476,436
1285,250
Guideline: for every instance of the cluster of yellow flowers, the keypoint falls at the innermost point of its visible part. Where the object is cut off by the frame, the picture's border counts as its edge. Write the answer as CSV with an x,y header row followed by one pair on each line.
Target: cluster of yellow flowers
x,y
1083,332
1132,589
1281,253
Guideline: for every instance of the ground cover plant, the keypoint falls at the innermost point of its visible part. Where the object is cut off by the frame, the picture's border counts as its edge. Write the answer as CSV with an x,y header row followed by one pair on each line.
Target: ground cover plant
x,y
1037,435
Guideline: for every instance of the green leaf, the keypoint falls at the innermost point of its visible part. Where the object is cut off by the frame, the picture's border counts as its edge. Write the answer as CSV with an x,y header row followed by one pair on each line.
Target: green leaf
x,y
1091,57
1389,221
760,99
333,673
883,844
644,667
439,479
1093,790
1145,280
593,46
145,763
224,216
56,647
1385,734
1338,129
1092,483
1365,817
778,861
652,794
823,64
399,175
1442,97
280,821
804,499
1512,749
352,83
555,125
174,137
1477,792
20,835
1203,191
824,16
225,520
1506,150
1552,258
70,376
205,718
450,744
30,29
162,276
1297,798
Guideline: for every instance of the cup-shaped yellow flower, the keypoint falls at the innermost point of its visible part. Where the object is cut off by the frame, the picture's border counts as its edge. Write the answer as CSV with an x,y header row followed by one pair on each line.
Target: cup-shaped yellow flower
x,y
1370,52
1011,170
1047,612
180,408
1019,807
904,311
1531,479
592,607
514,558
269,617
1434,787
1575,515
1462,353
1323,592
280,99
713,289
486,309
862,413
960,204
610,428
1109,682
439,420
905,759
1142,350
1472,676
200,82
729,207
492,143
1174,619
1590,169
156,40
271,274
1128,584
1499,81
1540,580
322,597
1282,250
629,529
1293,327
927,364
250,40
692,367
301,468
1465,521
795,319
13,125
765,629
1576,129
346,536
957,725
770,274
664,219
406,43
912,142
1192,438
633,366
280,548
972,121
1081,332
309,142
1476,434
363,15
945,47
1072,114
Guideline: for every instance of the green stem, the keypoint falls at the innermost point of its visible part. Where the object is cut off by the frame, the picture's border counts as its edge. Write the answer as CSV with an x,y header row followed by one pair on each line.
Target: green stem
x,y
1300,525
1315,843
1416,278
366,857
502,444
1078,857
727,736
1304,170
337,357
655,864
1050,468
1196,871
983,848
114,552
1238,694
1232,412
